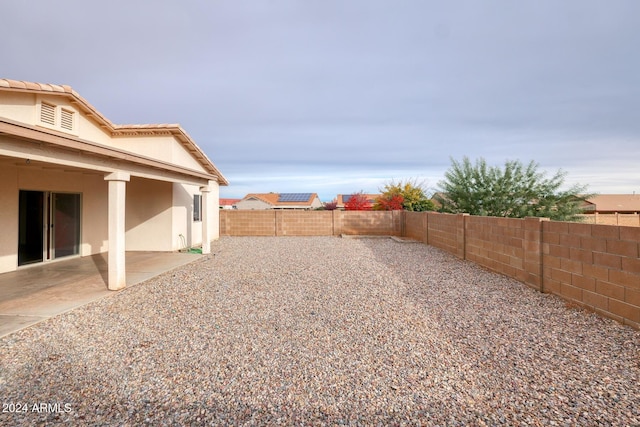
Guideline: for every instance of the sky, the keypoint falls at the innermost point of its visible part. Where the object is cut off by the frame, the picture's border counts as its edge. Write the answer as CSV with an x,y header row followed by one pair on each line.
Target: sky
x,y
340,96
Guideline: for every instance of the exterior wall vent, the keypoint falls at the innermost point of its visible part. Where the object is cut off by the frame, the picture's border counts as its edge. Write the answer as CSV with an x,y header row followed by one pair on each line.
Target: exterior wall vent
x,y
48,114
66,119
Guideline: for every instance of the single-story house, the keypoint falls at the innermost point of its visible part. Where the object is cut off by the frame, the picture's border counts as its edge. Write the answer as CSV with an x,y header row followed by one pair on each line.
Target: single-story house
x,y
342,199
613,203
228,203
76,184
262,201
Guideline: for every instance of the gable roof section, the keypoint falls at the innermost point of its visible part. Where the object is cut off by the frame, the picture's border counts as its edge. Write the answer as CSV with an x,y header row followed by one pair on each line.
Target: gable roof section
x,y
115,130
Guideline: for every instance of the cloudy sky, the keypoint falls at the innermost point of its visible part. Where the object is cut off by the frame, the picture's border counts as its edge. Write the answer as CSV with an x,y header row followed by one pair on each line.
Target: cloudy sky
x,y
338,96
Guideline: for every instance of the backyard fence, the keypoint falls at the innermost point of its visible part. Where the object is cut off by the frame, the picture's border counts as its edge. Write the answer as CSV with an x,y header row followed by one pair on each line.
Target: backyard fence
x,y
628,219
591,265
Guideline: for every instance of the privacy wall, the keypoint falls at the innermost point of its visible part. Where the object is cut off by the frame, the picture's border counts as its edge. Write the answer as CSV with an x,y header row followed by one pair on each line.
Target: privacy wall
x,y
594,266
309,223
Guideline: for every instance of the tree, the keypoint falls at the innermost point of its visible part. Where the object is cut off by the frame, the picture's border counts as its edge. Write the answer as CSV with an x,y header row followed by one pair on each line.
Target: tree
x,y
391,202
357,202
330,206
515,191
413,196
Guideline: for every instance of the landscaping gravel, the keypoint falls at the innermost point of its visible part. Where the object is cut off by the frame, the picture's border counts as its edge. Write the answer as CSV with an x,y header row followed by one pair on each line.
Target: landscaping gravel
x,y
323,331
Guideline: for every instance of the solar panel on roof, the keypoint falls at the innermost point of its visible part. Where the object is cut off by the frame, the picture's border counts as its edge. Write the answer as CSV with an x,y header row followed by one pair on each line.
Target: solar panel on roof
x,y
294,197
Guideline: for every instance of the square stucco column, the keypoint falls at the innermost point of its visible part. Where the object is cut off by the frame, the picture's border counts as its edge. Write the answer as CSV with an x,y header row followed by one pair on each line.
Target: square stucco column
x,y
116,259
206,226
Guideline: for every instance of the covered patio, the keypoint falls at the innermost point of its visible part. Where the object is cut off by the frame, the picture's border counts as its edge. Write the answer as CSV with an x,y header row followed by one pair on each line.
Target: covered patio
x,y
31,295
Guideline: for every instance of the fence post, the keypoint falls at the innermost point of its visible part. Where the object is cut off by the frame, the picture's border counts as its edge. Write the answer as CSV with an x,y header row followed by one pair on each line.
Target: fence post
x,y
425,225
461,235
533,240
337,222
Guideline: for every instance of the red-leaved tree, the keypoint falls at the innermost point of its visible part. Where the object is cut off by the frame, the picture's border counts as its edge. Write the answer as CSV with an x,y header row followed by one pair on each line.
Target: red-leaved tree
x,y
358,202
392,202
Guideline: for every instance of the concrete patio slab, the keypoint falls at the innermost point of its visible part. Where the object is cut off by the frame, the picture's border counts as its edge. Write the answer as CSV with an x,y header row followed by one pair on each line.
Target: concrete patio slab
x,y
33,294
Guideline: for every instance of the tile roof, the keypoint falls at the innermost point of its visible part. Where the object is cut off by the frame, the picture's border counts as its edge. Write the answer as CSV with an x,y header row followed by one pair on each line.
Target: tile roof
x,y
117,130
228,202
616,202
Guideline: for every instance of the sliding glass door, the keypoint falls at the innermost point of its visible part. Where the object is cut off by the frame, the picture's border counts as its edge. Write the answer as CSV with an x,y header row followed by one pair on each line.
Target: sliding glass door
x,y
31,227
66,224
49,226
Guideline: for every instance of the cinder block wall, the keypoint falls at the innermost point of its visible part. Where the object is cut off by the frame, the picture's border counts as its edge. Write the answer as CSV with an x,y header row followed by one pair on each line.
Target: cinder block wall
x,y
497,243
631,220
373,223
309,223
442,232
303,223
415,226
247,223
595,266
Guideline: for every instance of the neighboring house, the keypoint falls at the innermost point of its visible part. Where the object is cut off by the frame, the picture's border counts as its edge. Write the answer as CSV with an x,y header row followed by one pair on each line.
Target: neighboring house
x,y
228,203
262,201
342,199
75,184
613,203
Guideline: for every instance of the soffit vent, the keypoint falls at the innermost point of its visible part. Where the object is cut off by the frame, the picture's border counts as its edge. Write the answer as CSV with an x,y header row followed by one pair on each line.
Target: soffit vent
x,y
66,119
48,114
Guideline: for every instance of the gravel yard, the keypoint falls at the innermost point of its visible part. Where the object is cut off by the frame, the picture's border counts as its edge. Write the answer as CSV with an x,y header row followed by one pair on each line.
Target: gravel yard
x,y
324,330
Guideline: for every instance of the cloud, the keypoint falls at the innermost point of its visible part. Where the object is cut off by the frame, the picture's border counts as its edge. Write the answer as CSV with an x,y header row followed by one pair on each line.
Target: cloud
x,y
334,96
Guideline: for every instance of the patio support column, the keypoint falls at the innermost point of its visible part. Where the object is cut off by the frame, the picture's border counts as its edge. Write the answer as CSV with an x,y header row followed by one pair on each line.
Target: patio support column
x,y
206,242
116,259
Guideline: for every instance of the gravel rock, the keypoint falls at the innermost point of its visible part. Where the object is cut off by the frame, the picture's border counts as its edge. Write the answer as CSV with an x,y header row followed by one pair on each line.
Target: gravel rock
x,y
323,331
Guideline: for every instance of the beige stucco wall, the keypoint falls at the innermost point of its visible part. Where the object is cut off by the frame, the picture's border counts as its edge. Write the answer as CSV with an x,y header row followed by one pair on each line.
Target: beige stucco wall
x,y
214,210
90,131
9,215
183,223
18,107
148,215
95,215
165,148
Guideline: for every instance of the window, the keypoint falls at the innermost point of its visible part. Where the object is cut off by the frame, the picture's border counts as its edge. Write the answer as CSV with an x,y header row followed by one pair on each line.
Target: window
x,y
197,207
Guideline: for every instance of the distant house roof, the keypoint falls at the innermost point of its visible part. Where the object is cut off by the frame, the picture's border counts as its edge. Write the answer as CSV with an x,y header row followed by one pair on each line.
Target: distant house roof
x,y
286,200
341,199
228,202
611,203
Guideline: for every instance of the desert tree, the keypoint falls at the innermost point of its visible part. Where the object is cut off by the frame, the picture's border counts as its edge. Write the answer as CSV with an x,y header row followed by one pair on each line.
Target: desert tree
x,y
515,190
